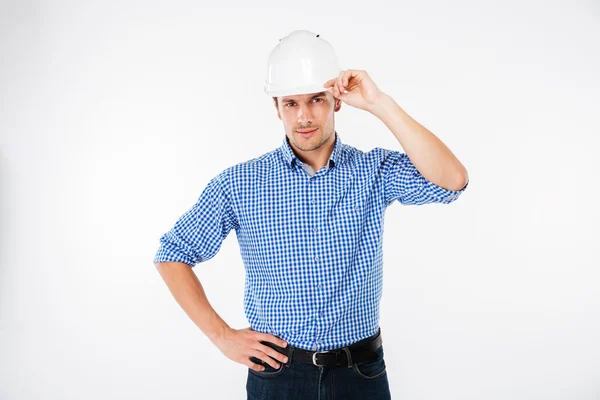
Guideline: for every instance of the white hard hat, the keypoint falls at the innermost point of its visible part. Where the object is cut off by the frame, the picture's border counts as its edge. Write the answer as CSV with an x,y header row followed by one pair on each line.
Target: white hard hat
x,y
300,64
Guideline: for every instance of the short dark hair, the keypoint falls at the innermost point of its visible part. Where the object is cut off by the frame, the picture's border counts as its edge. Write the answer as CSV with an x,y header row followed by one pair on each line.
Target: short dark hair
x,y
276,103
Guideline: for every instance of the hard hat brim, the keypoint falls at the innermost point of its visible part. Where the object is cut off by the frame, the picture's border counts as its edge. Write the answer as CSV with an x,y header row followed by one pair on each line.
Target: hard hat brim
x,y
306,89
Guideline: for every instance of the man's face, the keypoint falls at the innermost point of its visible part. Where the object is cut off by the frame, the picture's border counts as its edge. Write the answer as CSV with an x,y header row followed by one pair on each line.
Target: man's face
x,y
305,112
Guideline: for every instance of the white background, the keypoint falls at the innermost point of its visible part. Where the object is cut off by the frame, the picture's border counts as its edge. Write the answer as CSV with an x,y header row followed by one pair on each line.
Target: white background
x,y
115,115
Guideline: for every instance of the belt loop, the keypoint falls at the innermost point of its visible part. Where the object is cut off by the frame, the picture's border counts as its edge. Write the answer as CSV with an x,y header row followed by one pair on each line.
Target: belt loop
x,y
289,356
347,350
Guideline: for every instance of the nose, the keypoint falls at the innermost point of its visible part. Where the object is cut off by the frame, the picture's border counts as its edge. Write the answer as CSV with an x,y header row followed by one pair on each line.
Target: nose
x,y
304,116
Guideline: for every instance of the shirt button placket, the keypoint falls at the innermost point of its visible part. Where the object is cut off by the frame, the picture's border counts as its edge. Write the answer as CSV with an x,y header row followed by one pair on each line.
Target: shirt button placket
x,y
316,258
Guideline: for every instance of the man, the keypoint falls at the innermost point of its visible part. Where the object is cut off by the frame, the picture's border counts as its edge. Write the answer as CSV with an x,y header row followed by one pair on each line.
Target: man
x,y
309,220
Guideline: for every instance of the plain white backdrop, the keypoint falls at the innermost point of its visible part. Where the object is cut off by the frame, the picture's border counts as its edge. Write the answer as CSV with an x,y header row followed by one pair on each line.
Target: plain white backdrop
x,y
115,115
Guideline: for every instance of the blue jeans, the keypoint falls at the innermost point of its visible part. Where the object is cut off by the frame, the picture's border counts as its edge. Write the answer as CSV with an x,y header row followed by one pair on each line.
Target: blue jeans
x,y
365,380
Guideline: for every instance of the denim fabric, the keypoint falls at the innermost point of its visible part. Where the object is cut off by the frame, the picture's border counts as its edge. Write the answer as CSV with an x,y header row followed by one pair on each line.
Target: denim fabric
x,y
365,381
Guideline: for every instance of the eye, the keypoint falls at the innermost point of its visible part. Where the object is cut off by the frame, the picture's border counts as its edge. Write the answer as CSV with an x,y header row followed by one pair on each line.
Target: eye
x,y
291,102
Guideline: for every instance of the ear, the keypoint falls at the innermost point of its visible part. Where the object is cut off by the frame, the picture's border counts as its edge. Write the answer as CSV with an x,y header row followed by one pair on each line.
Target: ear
x,y
338,105
277,108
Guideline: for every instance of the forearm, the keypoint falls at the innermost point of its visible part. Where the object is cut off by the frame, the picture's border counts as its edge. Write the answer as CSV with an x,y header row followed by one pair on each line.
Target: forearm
x,y
189,293
432,158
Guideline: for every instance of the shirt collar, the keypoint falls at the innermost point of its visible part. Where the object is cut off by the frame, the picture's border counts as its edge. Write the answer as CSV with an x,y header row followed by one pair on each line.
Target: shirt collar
x,y
336,155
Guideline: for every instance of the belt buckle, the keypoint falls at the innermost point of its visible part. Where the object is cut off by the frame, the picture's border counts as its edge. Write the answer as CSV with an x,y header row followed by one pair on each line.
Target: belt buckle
x,y
314,357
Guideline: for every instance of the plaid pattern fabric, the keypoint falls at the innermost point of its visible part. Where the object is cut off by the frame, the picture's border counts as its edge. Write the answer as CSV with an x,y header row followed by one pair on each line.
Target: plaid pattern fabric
x,y
311,242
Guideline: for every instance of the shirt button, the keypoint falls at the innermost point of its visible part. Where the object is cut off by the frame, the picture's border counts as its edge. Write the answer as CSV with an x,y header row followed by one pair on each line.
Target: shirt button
x,y
319,286
314,229
313,201
321,313
317,258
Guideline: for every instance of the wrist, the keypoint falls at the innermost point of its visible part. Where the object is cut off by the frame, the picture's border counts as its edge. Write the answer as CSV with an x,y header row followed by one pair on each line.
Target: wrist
x,y
381,103
219,334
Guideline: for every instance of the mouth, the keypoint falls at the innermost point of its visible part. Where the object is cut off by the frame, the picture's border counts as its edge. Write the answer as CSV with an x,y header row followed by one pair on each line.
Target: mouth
x,y
306,132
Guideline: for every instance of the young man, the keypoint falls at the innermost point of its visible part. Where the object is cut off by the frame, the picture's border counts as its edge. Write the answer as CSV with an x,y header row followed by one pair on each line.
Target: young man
x,y
309,221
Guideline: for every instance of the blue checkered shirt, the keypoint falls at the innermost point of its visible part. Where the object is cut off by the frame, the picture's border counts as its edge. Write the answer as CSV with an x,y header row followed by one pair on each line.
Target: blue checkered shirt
x,y
311,242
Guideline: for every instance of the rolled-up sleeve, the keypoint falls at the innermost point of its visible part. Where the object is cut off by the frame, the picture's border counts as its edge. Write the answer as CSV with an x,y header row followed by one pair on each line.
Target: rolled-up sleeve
x,y
404,183
198,234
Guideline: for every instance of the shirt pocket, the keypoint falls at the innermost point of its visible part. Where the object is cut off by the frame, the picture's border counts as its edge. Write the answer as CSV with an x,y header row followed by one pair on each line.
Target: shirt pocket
x,y
353,201
353,205
350,209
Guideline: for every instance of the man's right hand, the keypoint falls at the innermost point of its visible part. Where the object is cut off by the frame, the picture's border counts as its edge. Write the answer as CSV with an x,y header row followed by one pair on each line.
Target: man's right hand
x,y
240,344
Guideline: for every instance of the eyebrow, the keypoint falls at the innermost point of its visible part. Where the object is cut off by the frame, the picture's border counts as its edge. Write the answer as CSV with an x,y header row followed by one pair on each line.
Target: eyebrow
x,y
322,94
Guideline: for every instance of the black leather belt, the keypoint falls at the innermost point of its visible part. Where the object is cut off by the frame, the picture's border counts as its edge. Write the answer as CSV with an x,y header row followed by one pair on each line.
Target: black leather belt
x,y
363,350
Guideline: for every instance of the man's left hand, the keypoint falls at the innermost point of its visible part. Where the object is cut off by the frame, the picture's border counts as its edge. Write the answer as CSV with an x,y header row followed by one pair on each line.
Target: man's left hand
x,y
362,92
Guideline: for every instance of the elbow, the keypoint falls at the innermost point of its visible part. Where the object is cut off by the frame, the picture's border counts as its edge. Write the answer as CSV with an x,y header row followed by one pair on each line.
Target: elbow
x,y
464,179
460,181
